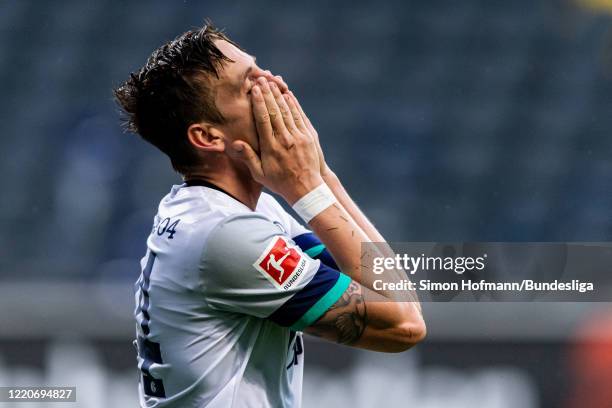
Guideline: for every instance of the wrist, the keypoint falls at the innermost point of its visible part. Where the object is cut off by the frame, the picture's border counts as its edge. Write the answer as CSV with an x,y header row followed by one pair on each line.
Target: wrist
x,y
326,171
330,178
304,185
314,202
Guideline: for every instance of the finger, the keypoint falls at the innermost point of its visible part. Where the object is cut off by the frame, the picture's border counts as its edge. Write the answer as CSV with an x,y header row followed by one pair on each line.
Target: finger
x,y
295,112
262,120
277,79
278,125
248,156
284,108
281,83
304,117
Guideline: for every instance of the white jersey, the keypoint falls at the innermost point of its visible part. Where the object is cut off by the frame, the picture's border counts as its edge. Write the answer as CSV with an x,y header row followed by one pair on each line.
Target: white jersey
x,y
223,296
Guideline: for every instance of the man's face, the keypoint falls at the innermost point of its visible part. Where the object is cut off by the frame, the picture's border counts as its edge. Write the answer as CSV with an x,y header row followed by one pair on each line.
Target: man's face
x,y
233,91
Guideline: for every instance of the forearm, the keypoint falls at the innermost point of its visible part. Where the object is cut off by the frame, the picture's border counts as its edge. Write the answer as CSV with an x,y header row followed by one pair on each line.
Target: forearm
x,y
343,238
392,315
333,182
364,231
365,319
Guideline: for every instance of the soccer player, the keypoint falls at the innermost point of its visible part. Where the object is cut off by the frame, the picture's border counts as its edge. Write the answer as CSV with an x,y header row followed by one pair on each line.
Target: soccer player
x,y
230,280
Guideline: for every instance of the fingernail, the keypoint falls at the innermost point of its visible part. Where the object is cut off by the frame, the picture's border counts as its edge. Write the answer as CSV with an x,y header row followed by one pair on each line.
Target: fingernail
x,y
238,147
255,90
261,80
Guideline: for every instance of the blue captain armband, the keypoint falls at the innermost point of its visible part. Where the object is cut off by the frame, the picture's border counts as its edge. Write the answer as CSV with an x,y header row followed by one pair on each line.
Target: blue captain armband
x,y
312,246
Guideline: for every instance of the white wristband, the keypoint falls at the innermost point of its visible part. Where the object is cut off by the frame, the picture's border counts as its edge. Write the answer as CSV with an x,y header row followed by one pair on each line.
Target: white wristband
x,y
313,203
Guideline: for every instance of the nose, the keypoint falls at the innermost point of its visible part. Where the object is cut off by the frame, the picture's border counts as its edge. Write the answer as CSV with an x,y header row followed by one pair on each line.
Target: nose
x,y
257,72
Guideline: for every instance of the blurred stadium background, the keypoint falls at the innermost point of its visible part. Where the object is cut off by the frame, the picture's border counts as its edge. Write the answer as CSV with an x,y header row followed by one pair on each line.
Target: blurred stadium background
x,y
447,120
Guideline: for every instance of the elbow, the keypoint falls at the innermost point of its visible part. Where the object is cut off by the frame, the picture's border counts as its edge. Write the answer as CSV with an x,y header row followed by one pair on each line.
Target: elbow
x,y
410,334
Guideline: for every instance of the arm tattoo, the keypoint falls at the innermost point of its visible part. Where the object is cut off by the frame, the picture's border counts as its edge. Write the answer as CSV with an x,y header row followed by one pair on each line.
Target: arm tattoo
x,y
346,320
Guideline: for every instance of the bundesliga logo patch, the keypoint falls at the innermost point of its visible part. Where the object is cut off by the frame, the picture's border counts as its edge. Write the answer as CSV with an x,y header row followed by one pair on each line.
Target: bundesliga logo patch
x,y
281,263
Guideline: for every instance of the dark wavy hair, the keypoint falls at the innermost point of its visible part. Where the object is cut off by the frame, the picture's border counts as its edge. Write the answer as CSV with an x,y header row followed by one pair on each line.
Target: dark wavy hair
x,y
174,90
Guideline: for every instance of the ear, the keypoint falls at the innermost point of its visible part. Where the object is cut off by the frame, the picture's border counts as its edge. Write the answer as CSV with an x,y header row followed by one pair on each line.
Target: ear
x,y
206,137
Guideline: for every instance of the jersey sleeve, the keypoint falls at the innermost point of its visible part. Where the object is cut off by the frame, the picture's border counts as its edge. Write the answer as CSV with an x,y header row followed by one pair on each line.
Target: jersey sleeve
x,y
250,266
295,227
303,237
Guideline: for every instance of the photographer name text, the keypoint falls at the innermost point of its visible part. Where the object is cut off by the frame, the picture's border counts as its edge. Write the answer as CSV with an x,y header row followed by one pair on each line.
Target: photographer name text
x,y
526,285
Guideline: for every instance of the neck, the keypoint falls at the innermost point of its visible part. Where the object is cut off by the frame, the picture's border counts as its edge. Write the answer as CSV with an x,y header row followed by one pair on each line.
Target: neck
x,y
235,180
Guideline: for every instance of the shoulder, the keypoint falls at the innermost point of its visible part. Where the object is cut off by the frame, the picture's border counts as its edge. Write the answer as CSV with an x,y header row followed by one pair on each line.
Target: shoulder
x,y
241,230
195,212
270,206
235,244
267,202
